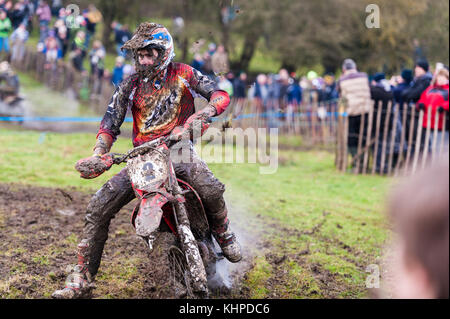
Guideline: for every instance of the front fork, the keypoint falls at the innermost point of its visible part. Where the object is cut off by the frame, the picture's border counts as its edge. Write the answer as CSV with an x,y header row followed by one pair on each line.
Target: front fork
x,y
189,245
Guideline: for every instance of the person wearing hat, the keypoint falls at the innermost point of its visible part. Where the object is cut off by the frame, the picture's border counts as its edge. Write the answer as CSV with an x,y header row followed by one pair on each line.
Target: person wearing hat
x,y
161,102
422,79
403,82
382,91
436,96
353,88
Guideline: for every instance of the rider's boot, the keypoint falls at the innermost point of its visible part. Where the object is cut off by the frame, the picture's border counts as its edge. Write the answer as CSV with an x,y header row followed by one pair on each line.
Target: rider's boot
x,y
79,283
227,242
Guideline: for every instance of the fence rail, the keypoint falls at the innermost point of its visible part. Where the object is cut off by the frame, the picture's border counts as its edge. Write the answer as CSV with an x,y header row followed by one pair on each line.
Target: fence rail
x,y
392,139
389,139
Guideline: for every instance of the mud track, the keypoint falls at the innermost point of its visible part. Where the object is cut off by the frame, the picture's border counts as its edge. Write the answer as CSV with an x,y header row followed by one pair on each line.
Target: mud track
x,y
39,230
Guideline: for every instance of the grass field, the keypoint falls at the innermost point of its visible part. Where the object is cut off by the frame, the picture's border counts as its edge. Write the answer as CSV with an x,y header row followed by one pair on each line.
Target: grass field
x,y
311,230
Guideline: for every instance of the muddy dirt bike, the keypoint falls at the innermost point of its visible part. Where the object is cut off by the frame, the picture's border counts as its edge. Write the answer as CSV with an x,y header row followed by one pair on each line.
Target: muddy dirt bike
x,y
167,203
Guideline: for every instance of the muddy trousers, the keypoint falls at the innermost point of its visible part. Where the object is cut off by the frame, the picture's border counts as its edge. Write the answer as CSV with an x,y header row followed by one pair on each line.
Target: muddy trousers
x,y
118,192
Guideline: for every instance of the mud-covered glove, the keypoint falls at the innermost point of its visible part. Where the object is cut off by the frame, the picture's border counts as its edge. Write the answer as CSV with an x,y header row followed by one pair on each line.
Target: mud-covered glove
x,y
197,122
94,166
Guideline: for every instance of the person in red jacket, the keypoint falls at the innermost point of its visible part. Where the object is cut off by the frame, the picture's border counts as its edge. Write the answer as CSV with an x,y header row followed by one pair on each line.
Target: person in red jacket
x,y
436,97
160,96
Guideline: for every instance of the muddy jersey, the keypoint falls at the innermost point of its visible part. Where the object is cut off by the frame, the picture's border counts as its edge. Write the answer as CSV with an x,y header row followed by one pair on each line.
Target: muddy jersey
x,y
161,105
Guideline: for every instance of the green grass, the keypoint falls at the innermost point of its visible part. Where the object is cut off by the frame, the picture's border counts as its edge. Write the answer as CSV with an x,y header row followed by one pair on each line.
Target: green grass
x,y
306,204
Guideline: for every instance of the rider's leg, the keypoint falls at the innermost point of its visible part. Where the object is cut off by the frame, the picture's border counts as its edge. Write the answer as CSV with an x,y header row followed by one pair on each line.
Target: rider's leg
x,y
210,189
103,207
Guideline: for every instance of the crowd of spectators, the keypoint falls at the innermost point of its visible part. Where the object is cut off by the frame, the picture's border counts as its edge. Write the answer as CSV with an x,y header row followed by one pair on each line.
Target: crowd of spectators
x,y
283,92
63,35
421,88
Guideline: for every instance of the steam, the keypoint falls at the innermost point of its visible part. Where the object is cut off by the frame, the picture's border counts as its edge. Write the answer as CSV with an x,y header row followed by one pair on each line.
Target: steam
x,y
229,275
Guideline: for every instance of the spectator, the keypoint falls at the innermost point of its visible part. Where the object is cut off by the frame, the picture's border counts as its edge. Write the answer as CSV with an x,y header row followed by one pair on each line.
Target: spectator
x,y
117,75
239,91
8,7
212,48
78,51
353,87
97,58
44,15
29,12
121,35
18,15
225,85
5,29
52,51
421,81
294,94
177,29
419,210
261,93
381,90
56,6
62,35
402,83
294,99
97,61
239,86
273,85
18,39
219,61
92,16
330,93
197,63
128,70
283,80
434,97
207,65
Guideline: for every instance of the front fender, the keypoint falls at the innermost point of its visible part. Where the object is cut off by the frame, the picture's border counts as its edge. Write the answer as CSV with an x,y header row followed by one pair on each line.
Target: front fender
x,y
147,219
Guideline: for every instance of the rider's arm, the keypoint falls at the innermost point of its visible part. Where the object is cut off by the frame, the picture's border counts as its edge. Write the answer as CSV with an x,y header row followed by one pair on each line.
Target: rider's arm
x,y
113,118
218,99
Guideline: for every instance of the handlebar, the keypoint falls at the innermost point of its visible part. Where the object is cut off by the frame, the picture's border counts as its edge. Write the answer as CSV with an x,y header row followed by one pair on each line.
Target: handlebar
x,y
141,149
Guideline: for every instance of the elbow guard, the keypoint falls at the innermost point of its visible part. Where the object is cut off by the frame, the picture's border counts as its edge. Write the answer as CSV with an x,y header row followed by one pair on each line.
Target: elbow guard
x,y
220,100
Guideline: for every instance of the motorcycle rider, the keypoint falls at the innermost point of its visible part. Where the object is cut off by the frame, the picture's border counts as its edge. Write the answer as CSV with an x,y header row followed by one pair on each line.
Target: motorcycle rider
x,y
161,100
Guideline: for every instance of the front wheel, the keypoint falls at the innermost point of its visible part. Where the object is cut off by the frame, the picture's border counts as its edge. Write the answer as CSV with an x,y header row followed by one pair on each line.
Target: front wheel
x,y
181,276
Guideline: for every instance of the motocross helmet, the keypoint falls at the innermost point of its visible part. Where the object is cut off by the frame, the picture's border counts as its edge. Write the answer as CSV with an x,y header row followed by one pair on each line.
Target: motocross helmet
x,y
151,36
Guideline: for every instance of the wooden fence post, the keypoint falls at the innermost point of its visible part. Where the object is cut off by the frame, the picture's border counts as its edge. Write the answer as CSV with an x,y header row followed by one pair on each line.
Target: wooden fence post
x,y
393,134
435,134
360,140
369,137
345,144
441,148
377,136
402,139
384,145
412,122
338,157
418,140
427,138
